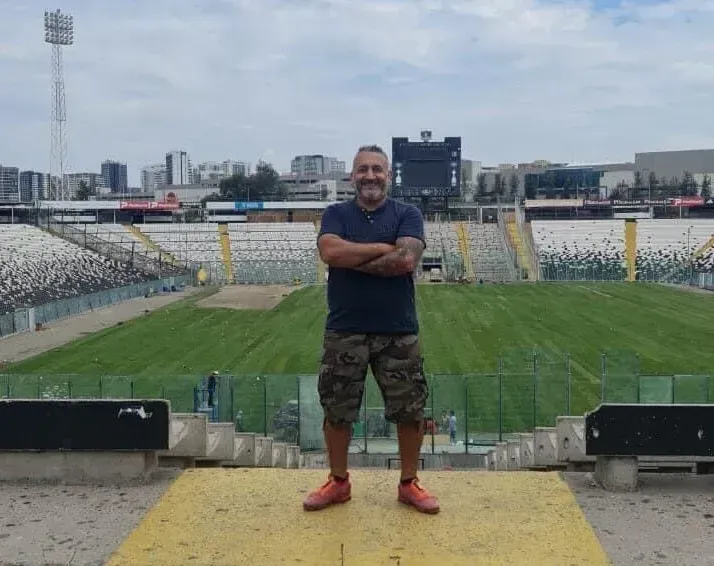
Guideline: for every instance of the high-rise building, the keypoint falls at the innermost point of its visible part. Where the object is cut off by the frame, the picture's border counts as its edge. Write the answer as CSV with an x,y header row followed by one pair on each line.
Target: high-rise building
x,y
94,182
115,176
316,165
213,170
33,185
178,168
153,177
9,184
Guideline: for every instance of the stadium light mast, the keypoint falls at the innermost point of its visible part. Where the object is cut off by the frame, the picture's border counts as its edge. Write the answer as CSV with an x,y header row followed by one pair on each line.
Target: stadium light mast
x,y
59,32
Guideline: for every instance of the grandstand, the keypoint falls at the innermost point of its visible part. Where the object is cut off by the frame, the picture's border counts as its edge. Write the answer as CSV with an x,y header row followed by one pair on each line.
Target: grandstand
x,y
38,268
595,249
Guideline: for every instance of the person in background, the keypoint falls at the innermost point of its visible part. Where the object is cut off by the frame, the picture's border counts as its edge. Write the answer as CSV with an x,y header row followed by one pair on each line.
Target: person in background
x,y
212,385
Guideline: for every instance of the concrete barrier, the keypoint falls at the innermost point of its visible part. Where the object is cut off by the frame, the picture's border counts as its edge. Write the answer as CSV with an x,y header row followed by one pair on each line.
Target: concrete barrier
x,y
293,458
263,451
545,447
513,452
188,436
77,467
571,440
280,455
501,456
381,461
527,456
220,443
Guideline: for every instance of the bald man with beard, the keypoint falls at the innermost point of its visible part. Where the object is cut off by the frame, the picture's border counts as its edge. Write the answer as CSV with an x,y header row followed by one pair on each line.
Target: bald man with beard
x,y
372,244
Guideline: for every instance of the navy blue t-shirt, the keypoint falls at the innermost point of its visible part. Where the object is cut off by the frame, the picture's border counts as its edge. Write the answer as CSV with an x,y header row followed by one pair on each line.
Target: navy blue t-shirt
x,y
360,302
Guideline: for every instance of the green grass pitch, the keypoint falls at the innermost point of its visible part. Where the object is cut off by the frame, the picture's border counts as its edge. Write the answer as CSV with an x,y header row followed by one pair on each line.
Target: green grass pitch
x,y
465,329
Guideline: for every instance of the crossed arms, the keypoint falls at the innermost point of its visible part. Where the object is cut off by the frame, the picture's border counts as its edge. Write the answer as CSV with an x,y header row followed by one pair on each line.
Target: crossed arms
x,y
385,260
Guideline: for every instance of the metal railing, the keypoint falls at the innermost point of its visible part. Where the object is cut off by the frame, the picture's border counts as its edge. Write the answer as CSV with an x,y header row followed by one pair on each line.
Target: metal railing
x,y
25,319
526,389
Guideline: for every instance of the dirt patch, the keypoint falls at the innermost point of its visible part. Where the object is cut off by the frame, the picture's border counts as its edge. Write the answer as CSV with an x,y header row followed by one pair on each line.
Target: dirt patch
x,y
257,297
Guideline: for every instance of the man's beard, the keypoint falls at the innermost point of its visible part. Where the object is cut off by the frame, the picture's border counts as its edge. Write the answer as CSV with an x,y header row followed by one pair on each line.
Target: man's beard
x,y
372,191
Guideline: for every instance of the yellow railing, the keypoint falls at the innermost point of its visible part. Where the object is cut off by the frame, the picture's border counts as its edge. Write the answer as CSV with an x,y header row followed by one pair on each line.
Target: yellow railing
x,y
514,234
151,245
225,240
463,235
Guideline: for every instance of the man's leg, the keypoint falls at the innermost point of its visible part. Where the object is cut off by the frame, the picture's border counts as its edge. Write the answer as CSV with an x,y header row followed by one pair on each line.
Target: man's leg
x,y
340,386
397,366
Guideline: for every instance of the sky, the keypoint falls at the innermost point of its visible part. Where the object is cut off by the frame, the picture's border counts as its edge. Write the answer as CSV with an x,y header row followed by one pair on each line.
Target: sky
x,y
573,81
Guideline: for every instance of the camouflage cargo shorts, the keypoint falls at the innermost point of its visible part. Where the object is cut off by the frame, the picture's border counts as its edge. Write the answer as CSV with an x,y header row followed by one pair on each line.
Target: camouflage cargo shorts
x,y
396,364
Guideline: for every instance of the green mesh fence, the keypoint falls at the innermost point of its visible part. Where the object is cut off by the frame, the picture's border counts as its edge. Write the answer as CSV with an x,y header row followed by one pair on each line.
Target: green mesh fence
x,y
531,387
620,370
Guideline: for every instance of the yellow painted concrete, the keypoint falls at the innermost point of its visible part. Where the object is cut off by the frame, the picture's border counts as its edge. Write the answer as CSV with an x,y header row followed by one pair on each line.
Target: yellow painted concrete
x,y
255,516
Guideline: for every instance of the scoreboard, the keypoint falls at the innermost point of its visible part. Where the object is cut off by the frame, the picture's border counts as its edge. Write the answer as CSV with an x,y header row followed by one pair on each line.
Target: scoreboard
x,y
426,168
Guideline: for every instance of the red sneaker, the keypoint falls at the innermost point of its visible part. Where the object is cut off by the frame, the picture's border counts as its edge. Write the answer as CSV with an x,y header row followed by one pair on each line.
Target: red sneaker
x,y
331,492
416,496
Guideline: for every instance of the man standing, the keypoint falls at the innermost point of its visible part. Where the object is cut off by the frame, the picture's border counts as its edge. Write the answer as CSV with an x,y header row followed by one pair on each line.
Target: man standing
x,y
372,245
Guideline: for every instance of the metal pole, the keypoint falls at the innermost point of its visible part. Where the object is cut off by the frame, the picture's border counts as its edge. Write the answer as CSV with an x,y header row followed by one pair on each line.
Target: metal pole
x,y
500,399
567,384
603,373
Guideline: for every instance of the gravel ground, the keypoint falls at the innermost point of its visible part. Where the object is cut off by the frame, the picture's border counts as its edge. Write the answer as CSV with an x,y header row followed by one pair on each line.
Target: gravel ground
x,y
76,525
668,521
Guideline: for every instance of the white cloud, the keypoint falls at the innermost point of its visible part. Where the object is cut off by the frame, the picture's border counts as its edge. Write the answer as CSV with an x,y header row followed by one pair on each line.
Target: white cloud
x,y
571,80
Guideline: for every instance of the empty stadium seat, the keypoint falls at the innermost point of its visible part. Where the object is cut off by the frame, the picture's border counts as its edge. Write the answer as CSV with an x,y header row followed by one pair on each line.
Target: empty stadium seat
x,y
37,268
274,252
595,249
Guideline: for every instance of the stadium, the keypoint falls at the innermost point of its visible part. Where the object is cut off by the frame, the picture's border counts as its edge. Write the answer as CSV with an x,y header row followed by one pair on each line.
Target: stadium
x,y
531,312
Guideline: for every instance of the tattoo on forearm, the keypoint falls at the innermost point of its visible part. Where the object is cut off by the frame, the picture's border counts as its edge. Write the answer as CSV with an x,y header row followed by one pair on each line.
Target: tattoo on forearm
x,y
401,261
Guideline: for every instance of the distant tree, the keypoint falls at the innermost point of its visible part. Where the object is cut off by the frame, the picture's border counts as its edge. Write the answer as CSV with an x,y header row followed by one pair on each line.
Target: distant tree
x,y
638,180
84,192
652,182
262,185
706,190
499,184
688,186
513,184
481,183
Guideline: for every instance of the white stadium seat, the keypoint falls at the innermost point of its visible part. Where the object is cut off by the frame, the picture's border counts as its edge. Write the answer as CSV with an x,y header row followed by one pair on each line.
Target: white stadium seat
x,y
595,249
37,268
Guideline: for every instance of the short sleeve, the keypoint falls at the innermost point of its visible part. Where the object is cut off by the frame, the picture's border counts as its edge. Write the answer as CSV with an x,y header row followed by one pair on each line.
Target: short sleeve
x,y
412,224
331,222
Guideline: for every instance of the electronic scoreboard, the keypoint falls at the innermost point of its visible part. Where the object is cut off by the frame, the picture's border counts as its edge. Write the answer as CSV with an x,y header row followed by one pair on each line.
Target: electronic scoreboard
x,y
426,168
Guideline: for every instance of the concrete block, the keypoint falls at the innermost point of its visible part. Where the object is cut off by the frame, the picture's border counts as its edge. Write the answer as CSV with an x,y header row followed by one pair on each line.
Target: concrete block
x,y
220,442
243,450
545,446
77,467
616,473
513,451
263,451
571,440
491,460
188,436
293,458
527,456
280,455
501,456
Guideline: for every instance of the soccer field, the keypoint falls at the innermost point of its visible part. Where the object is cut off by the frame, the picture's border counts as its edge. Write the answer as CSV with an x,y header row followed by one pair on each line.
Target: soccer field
x,y
465,329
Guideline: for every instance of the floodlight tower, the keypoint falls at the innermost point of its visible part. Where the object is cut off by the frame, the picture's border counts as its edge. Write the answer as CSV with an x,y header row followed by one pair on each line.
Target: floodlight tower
x,y
59,32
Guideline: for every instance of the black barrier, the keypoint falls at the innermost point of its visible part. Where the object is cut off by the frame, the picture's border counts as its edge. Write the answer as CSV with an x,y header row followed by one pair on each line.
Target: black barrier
x,y
650,430
84,425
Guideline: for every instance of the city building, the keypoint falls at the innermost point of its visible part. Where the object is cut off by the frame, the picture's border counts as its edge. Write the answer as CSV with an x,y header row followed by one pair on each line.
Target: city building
x,y
178,168
153,177
115,176
212,170
9,184
316,165
94,182
33,186
672,165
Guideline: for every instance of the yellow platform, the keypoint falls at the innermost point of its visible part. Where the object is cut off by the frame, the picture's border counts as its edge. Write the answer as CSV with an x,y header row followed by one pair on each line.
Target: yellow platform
x,y
255,516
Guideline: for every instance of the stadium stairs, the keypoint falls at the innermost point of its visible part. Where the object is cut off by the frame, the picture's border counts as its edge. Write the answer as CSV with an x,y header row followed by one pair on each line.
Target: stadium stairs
x,y
517,239
150,244
225,240
194,441
463,235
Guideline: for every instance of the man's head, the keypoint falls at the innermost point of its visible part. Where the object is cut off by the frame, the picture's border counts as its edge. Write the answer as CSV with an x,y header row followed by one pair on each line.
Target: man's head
x,y
370,174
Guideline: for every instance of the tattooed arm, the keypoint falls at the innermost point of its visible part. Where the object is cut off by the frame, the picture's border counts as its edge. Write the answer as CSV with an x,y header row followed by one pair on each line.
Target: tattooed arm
x,y
403,260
